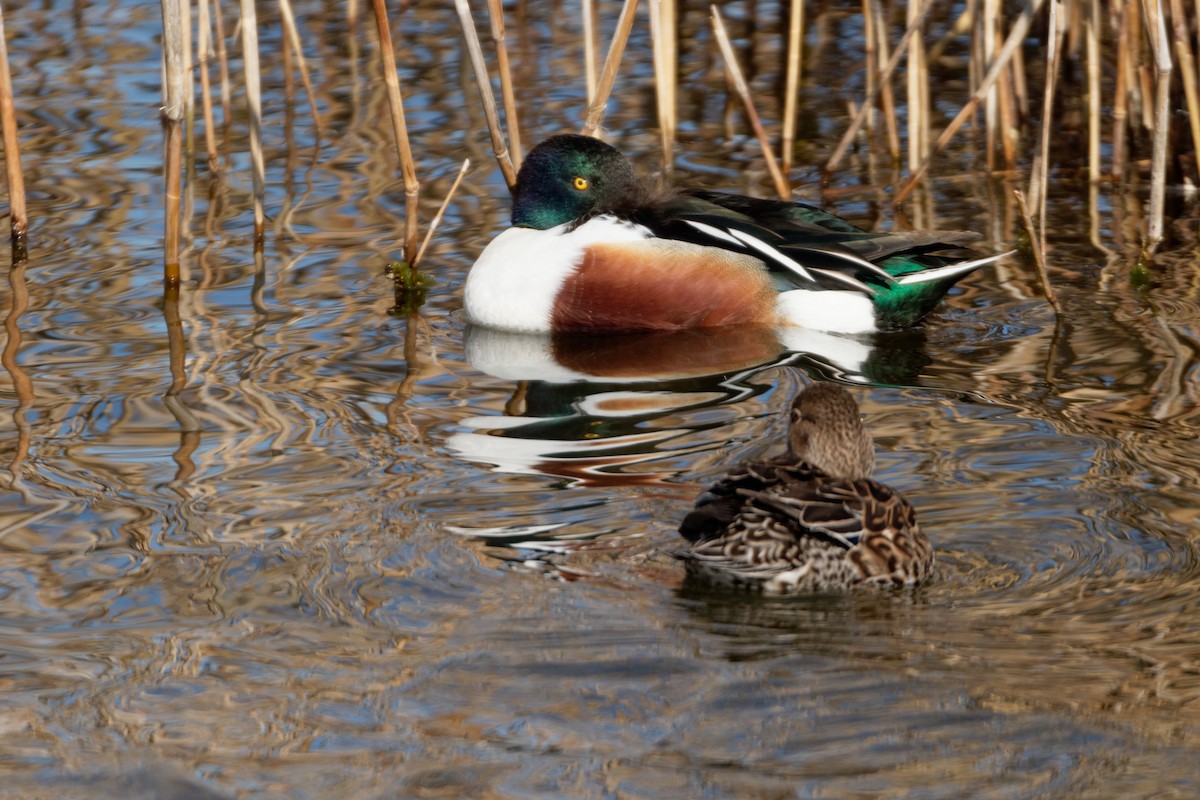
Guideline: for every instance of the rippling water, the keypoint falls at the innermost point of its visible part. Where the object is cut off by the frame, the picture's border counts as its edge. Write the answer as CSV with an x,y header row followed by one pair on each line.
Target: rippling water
x,y
364,555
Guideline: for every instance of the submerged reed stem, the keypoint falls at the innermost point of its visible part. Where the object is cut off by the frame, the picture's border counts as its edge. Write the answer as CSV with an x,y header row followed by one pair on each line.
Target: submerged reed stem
x,y
21,382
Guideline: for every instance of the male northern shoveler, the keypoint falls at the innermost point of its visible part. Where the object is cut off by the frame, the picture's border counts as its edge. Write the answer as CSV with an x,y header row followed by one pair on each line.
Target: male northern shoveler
x,y
591,249
811,519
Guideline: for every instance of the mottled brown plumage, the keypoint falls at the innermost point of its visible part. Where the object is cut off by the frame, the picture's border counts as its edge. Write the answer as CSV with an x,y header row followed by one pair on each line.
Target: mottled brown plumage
x,y
811,519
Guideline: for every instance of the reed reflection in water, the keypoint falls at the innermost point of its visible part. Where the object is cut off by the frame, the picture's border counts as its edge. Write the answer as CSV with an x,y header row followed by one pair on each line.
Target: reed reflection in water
x,y
295,598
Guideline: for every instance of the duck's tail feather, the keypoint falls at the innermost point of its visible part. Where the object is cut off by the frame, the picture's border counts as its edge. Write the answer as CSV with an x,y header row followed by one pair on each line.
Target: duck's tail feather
x,y
950,272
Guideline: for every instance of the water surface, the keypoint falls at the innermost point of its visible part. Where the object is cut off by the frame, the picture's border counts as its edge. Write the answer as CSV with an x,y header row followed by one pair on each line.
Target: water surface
x,y
365,555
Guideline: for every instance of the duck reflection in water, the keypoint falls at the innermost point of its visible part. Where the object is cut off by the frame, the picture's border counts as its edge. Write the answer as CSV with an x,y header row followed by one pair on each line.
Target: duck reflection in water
x,y
592,408
811,519
599,412
595,409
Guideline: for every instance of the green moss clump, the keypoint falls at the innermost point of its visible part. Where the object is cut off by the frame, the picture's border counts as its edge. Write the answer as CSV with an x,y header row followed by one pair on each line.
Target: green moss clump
x,y
410,286
1139,274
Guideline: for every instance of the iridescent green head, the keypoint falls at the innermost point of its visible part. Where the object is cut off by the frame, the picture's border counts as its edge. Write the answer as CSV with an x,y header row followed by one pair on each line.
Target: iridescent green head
x,y
568,178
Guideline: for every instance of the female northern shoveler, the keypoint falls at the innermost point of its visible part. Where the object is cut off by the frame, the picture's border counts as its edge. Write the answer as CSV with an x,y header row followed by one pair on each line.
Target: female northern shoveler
x,y
811,519
591,249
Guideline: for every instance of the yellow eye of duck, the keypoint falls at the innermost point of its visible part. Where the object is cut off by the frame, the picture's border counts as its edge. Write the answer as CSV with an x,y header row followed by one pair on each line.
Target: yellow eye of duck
x,y
581,184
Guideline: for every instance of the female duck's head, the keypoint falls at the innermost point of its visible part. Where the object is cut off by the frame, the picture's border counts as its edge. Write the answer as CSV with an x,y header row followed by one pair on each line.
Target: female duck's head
x,y
827,432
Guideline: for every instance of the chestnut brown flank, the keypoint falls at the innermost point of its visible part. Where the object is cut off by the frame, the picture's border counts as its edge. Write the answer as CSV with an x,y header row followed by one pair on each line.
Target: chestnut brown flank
x,y
663,285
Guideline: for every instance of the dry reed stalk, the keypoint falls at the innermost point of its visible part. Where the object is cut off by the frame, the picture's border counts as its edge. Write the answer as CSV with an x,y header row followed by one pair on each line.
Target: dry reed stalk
x,y
1020,87
870,68
1197,16
176,107
293,38
1157,27
1016,36
1014,99
223,64
189,90
1187,70
283,217
1039,256
858,118
743,90
499,148
173,171
1093,82
437,218
1009,116
662,33
1121,91
391,79
986,26
591,47
917,87
496,12
202,50
1041,162
887,98
795,57
254,102
1009,91
608,75
174,89
18,216
1146,80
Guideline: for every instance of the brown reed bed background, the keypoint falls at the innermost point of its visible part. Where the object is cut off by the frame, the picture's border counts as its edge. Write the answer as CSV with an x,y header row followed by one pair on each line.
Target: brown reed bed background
x,y
1128,69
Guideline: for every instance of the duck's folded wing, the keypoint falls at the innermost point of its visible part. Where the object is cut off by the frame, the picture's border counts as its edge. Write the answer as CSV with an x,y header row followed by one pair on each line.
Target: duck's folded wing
x,y
819,241
798,222
720,504
839,512
811,257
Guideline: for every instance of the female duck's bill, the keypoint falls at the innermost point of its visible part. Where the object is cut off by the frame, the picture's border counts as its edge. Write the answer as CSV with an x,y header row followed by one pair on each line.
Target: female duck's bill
x,y
811,519
592,250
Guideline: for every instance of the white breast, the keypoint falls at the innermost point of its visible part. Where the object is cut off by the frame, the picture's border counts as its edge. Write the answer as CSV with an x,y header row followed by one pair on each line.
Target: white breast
x,y
514,283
